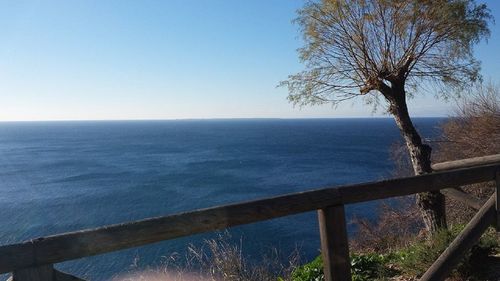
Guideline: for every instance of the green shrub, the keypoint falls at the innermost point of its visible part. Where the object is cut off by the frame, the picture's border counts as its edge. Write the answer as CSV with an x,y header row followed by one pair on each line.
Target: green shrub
x,y
411,261
415,259
312,271
371,267
364,267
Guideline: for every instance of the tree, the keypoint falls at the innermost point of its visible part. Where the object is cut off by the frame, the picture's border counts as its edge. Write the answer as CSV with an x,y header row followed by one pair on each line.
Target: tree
x,y
390,49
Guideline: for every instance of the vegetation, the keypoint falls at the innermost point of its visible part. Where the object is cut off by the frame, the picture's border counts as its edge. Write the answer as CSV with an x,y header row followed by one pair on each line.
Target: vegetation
x,y
475,128
392,246
411,261
363,267
474,131
221,260
397,226
218,259
390,50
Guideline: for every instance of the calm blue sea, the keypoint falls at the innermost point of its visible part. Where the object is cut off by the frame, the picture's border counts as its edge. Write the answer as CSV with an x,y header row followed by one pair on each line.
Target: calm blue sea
x,y
63,176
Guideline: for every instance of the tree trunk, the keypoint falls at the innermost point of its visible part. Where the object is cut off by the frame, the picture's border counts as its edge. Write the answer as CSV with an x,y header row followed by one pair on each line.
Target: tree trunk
x,y
431,204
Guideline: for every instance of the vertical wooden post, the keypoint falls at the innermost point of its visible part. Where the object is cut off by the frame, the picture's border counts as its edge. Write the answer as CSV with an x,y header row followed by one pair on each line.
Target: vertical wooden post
x,y
39,273
497,201
334,243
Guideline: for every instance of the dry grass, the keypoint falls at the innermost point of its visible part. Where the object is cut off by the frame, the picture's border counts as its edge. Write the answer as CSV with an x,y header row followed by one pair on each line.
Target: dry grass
x,y
155,275
396,227
219,259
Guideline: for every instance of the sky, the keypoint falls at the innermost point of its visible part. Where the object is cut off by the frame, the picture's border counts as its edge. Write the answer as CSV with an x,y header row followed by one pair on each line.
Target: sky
x,y
172,59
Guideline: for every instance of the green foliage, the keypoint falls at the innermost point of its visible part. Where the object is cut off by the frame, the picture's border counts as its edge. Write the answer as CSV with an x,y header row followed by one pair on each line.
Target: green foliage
x,y
410,261
364,267
416,258
371,266
312,271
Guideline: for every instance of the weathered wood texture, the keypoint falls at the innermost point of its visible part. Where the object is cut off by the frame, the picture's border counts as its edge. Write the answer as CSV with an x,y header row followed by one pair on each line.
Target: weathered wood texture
x,y
62,276
497,201
73,245
465,163
334,243
442,267
39,273
463,197
44,272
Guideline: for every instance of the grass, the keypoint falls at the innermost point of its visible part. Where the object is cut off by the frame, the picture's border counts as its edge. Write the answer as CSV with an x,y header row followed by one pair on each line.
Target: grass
x,y
412,261
220,259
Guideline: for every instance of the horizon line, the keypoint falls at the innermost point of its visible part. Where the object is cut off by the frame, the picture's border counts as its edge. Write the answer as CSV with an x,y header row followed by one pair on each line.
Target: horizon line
x,y
215,118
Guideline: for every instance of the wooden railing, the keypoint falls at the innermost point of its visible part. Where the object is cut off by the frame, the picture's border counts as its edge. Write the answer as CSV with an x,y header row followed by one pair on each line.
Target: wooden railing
x,y
34,259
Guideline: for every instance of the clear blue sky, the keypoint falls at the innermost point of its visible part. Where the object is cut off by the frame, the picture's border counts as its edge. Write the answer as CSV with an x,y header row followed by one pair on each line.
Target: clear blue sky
x,y
67,60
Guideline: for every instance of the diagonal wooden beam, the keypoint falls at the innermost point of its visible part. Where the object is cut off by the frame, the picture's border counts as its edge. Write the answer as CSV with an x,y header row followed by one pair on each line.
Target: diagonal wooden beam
x,y
464,197
442,267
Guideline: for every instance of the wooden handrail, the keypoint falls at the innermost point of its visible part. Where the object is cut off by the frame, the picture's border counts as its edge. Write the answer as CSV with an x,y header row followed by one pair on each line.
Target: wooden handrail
x,y
465,163
456,192
74,245
35,258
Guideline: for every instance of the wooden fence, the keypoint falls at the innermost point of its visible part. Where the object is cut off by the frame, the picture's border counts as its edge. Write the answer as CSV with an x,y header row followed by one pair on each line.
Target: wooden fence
x,y
34,259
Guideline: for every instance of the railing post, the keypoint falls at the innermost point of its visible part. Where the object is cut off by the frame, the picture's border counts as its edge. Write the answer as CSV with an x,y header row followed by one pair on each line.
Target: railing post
x,y
334,243
39,273
497,201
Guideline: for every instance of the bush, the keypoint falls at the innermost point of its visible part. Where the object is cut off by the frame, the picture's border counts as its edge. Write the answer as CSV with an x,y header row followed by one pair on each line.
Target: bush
x,y
372,266
475,128
312,271
397,225
364,267
417,258
411,261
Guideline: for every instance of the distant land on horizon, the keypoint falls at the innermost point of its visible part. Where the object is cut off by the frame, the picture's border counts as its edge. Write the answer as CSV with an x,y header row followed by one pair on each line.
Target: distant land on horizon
x,y
221,119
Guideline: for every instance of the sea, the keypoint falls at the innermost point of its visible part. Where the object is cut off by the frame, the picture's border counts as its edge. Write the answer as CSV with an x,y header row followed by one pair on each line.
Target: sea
x,y
63,176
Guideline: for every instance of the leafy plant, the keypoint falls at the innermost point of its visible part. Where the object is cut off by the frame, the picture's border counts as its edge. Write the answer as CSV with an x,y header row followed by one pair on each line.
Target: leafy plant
x,y
364,267
312,271
411,261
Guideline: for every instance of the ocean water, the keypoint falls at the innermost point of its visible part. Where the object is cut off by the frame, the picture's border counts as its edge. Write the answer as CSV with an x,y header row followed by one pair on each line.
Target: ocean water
x,y
63,176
